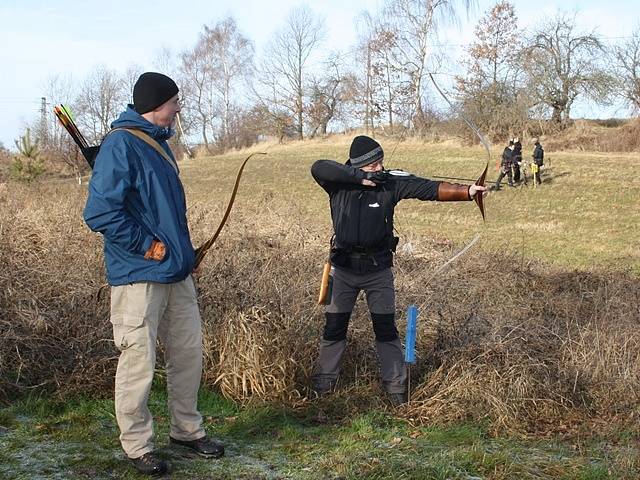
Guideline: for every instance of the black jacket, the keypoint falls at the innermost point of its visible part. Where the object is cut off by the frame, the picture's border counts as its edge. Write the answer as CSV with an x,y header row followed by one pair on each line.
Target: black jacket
x,y
363,216
507,158
538,154
517,152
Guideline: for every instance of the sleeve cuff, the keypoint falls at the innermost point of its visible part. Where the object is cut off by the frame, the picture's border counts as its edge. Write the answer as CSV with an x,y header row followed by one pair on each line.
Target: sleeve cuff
x,y
146,245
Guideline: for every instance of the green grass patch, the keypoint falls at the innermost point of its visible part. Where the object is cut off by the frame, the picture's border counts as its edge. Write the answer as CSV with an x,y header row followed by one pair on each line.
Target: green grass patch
x,y
78,439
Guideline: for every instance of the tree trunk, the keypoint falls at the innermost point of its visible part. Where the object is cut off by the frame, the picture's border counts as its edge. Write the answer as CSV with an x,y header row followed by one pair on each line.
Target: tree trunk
x,y
299,99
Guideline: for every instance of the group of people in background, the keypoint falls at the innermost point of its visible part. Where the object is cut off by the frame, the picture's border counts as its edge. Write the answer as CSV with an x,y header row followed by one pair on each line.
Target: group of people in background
x,y
513,167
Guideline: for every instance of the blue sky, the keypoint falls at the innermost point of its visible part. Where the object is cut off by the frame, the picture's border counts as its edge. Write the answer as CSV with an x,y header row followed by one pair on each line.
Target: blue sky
x,y
42,38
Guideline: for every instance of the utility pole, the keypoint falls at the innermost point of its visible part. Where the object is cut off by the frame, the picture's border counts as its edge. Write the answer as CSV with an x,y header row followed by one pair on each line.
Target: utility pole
x,y
44,130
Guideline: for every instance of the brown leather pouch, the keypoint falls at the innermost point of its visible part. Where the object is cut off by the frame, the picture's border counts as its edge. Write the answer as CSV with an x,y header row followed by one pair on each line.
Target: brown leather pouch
x,y
453,192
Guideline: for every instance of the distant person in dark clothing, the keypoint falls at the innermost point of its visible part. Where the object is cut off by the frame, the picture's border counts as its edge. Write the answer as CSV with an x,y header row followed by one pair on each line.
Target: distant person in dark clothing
x,y
517,159
538,158
505,165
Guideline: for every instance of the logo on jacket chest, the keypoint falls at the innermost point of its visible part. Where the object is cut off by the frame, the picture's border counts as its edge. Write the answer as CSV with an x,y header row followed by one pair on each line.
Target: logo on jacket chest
x,y
374,205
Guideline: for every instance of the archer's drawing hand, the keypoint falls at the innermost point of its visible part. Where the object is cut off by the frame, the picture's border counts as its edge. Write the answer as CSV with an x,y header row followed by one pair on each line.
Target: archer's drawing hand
x,y
376,178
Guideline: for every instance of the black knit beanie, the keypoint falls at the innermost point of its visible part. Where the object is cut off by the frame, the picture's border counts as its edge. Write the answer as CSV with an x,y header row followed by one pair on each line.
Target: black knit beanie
x,y
364,151
152,90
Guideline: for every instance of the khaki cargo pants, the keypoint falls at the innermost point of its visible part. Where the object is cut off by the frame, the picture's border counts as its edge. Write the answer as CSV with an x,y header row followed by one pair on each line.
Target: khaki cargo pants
x,y
141,313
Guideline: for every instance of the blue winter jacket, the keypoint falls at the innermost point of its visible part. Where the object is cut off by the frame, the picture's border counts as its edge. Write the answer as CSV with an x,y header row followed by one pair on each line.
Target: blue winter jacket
x,y
136,196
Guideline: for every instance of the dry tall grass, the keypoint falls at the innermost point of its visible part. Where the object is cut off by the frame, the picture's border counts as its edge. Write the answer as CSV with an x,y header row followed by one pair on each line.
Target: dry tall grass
x,y
523,345
589,135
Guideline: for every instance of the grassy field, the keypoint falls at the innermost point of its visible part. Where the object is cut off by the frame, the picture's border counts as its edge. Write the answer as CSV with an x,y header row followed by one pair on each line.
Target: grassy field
x,y
529,349
584,215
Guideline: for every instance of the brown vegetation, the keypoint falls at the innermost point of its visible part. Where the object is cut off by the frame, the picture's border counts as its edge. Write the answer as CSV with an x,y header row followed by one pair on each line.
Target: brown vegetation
x,y
599,136
525,346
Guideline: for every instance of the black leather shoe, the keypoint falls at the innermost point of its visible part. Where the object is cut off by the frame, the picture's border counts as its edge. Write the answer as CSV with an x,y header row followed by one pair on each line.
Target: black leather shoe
x,y
149,464
205,446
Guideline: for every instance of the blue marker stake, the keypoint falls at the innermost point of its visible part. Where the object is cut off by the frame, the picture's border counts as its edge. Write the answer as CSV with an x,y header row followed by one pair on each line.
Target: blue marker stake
x,y
410,337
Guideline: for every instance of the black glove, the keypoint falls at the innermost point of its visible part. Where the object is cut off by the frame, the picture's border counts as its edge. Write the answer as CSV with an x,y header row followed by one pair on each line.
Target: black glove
x,y
378,178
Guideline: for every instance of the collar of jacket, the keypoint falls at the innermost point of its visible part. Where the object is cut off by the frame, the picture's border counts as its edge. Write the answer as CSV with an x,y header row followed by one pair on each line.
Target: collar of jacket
x,y
132,119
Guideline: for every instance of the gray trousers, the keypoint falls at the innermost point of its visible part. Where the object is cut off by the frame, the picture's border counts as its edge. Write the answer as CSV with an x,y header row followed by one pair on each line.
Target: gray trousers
x,y
380,295
504,171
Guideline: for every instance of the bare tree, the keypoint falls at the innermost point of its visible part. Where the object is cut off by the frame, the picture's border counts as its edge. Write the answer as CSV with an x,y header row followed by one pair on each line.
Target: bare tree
x,y
384,87
563,64
283,72
232,64
166,61
415,24
131,75
210,75
271,120
491,55
60,89
490,92
364,61
59,148
199,104
392,94
329,93
101,97
626,59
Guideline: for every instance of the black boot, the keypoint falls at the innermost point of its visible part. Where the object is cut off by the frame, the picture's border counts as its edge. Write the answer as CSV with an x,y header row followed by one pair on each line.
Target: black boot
x,y
322,386
149,464
397,399
205,446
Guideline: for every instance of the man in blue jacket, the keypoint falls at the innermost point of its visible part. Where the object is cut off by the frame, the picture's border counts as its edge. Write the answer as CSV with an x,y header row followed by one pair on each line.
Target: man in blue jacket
x,y
136,201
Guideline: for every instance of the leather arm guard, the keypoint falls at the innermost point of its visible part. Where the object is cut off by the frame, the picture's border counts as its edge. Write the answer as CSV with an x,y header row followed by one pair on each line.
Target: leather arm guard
x,y
453,192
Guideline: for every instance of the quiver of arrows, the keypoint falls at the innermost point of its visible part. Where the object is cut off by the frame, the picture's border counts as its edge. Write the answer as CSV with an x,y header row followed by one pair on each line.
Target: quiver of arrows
x,y
326,285
89,152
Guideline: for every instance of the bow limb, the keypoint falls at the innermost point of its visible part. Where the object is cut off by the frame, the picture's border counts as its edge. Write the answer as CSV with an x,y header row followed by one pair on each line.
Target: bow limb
x,y
478,197
202,250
